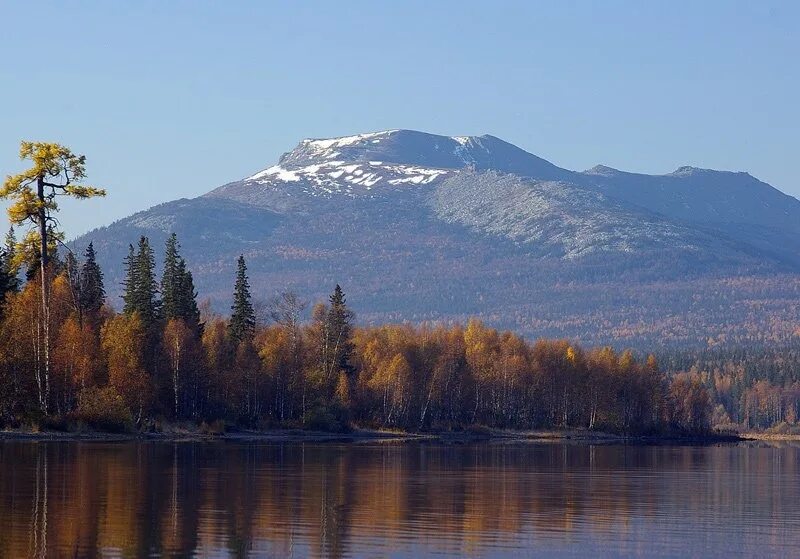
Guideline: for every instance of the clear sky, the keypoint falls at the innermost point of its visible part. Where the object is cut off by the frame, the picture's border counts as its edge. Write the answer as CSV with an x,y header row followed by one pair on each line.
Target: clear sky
x,y
170,99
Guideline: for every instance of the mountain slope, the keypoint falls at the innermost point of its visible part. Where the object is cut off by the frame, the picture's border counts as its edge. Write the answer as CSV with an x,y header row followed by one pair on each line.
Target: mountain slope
x,y
701,196
418,226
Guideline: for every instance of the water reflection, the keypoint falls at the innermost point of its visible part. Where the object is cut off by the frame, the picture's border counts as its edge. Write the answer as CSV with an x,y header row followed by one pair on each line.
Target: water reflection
x,y
301,500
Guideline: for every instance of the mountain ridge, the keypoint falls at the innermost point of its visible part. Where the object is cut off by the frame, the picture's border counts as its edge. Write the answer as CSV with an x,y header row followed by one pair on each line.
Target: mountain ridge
x,y
493,224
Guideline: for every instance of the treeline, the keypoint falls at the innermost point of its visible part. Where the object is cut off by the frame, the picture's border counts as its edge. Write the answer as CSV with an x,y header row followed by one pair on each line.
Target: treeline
x,y
163,359
750,387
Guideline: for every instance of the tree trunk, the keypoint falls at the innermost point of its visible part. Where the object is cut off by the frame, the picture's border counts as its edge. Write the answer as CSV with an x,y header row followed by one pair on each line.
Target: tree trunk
x,y
43,261
176,366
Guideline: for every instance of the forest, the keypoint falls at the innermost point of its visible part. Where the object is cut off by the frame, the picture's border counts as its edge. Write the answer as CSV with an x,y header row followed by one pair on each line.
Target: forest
x,y
752,388
69,360
164,359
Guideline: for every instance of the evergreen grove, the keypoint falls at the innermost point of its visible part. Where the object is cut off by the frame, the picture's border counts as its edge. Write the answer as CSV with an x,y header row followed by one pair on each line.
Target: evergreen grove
x,y
161,360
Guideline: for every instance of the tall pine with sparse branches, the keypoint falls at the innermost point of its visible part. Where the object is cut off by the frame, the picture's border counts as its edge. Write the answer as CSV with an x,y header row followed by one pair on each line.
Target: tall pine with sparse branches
x,y
243,317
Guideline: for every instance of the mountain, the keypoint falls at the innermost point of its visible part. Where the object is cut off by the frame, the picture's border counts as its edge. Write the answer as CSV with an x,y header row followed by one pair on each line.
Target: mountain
x,y
418,226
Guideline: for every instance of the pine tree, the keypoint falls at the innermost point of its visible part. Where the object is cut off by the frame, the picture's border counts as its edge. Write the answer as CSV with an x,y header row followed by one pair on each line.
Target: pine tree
x,y
93,293
243,318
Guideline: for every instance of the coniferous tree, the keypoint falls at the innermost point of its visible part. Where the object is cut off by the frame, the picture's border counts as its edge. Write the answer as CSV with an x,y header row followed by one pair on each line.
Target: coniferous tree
x,y
6,279
340,328
187,299
130,282
74,282
8,275
9,265
11,241
243,317
141,289
141,301
178,295
338,347
171,280
93,293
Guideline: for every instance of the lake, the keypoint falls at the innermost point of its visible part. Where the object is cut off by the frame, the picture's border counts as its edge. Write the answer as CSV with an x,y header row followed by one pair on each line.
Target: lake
x,y
232,499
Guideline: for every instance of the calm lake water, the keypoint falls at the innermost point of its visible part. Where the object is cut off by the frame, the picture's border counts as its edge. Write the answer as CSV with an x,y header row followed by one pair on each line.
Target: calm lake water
x,y
139,499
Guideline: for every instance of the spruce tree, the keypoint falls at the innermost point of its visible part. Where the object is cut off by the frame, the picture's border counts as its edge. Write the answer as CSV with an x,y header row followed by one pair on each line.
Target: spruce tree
x,y
6,279
243,317
93,293
141,289
74,282
130,282
187,298
339,329
171,280
9,283
9,266
178,295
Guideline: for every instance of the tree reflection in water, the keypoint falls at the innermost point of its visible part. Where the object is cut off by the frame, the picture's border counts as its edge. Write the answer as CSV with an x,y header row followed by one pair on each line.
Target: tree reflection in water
x,y
329,500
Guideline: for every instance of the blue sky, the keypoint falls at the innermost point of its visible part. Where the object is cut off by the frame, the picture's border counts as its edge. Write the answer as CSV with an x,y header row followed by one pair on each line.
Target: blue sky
x,y
170,99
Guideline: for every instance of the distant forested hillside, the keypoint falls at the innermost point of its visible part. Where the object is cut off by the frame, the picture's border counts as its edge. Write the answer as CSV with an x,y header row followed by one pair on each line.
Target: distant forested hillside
x,y
425,227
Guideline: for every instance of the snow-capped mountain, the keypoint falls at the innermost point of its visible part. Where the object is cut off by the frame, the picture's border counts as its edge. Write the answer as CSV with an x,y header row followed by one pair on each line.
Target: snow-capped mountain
x,y
367,164
423,226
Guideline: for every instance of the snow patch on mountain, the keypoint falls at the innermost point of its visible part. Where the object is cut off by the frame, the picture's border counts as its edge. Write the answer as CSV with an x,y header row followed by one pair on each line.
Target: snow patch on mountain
x,y
326,147
344,177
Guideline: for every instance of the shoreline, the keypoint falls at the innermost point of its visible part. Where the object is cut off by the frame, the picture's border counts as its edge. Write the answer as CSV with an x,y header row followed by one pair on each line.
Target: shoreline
x,y
371,435
769,437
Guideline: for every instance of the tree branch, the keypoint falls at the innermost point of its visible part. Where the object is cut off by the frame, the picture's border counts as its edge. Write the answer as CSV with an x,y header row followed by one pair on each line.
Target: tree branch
x,y
54,186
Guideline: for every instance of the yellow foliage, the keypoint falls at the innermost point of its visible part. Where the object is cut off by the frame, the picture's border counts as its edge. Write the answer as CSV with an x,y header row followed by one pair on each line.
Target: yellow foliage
x,y
123,340
56,171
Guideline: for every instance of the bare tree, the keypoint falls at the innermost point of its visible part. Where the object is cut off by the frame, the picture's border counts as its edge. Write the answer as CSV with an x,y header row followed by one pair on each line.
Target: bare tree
x,y
286,310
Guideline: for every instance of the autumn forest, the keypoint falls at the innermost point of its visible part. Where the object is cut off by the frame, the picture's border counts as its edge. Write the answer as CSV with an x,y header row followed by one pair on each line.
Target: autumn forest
x,y
68,360
163,358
